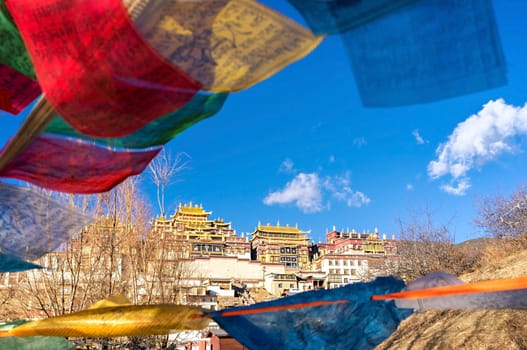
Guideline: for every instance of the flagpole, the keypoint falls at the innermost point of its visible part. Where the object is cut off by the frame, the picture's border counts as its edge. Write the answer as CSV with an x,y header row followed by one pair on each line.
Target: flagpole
x,y
35,123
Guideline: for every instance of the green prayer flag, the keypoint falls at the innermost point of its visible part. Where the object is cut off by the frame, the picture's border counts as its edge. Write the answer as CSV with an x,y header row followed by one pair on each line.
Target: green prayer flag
x,y
155,133
32,343
12,49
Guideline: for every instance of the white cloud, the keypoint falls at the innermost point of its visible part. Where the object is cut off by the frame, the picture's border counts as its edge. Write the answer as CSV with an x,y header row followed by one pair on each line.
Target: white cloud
x,y
359,142
307,192
331,159
287,166
409,187
418,138
357,199
339,187
457,187
479,139
304,190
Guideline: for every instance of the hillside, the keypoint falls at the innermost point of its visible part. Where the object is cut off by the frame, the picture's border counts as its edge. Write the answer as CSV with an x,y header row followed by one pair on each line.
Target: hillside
x,y
496,329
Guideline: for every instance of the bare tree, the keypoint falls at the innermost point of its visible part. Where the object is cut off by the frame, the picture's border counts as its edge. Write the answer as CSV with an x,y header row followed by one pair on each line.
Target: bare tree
x,y
504,216
163,169
97,262
118,253
425,247
9,310
503,220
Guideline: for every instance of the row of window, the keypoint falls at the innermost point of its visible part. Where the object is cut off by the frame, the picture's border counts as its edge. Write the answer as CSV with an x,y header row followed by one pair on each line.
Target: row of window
x,y
351,272
206,248
288,259
287,250
337,262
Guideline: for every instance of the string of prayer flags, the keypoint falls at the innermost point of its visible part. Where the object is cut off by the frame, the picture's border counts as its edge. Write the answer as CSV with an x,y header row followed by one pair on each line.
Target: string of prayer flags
x,y
33,224
13,52
226,45
74,166
356,316
428,51
155,133
327,17
95,69
17,91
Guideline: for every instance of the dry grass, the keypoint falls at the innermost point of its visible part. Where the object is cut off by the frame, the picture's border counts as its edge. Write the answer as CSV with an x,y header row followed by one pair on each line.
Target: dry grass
x,y
472,330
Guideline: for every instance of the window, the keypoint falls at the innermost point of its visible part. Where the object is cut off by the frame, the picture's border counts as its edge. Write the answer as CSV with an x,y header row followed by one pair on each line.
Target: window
x,y
293,250
330,262
346,271
291,285
279,285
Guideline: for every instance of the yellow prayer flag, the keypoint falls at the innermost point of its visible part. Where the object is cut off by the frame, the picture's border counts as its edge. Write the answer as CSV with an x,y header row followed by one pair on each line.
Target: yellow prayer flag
x,y
226,45
118,320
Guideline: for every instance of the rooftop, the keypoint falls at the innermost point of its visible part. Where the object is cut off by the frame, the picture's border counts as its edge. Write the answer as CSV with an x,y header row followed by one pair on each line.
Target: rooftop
x,y
192,209
280,229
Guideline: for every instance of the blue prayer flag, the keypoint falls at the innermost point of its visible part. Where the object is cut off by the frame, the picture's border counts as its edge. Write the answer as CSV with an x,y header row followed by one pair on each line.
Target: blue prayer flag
x,y
342,318
326,17
432,50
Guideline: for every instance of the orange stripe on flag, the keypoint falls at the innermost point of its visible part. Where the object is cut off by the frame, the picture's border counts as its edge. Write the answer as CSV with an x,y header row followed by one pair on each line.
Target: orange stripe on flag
x,y
280,308
469,288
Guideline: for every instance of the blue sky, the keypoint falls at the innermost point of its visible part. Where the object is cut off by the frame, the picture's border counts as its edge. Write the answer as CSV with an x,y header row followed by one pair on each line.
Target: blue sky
x,y
299,148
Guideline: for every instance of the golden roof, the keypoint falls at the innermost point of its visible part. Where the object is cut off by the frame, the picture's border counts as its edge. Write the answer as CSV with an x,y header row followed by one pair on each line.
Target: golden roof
x,y
280,229
194,210
162,219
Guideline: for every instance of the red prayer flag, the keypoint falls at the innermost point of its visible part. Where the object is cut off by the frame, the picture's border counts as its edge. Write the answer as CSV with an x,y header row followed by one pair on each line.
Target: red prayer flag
x,y
95,69
73,166
16,90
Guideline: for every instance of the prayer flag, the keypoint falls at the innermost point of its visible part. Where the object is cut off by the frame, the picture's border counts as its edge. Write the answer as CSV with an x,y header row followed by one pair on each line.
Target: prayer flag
x,y
111,319
33,224
16,90
444,291
326,17
340,318
74,166
226,45
432,50
12,50
155,133
95,69
12,263
32,343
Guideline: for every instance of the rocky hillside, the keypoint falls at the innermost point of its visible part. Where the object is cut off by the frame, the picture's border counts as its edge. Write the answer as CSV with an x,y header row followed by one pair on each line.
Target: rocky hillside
x,y
497,329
